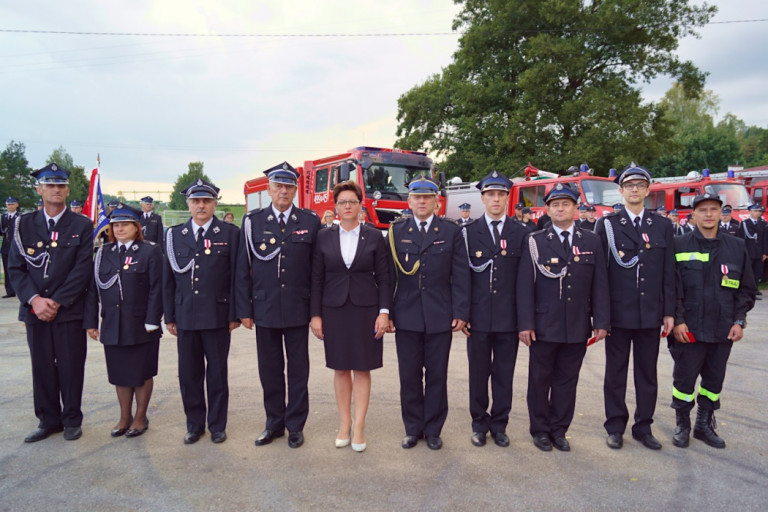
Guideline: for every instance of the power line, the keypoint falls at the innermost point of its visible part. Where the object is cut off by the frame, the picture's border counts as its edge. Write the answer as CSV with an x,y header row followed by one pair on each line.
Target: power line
x,y
342,35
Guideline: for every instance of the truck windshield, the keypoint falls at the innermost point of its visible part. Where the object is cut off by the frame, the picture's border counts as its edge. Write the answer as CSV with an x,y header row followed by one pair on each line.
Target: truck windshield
x,y
733,194
601,192
391,180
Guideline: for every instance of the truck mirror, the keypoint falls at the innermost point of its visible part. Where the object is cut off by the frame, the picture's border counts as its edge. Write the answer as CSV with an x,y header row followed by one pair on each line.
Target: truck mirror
x,y
441,181
345,170
366,162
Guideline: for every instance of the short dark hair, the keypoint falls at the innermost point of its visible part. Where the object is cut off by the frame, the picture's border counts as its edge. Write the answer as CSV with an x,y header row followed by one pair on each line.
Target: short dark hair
x,y
347,185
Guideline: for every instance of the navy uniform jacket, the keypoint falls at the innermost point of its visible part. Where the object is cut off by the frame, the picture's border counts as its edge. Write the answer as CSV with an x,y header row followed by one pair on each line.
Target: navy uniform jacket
x,y
748,230
152,228
66,275
640,300
208,301
272,300
493,303
438,292
585,224
681,229
540,306
732,228
123,319
704,303
7,226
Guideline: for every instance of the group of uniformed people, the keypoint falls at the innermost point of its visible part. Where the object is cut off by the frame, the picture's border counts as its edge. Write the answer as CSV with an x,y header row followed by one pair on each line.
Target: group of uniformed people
x,y
556,289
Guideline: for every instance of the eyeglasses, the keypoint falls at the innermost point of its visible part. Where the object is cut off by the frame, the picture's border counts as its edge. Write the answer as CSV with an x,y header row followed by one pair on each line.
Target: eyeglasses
x,y
636,185
344,203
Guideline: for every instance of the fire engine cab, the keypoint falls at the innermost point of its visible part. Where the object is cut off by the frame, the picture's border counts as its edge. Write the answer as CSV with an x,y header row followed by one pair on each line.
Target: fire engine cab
x,y
383,175
678,192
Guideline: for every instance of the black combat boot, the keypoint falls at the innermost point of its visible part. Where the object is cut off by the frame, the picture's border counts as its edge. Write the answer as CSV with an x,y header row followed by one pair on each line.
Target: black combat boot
x,y
705,428
682,430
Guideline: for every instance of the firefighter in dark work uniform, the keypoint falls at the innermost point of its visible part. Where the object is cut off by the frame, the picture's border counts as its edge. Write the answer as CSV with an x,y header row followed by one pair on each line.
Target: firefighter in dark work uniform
x,y
561,282
637,244
715,290
495,243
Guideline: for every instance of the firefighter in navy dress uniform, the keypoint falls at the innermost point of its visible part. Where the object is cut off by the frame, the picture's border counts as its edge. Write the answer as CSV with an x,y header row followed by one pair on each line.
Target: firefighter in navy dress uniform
x,y
50,264
151,223
561,282
7,227
753,231
465,209
76,206
431,299
128,283
637,245
715,290
274,278
728,224
494,244
198,304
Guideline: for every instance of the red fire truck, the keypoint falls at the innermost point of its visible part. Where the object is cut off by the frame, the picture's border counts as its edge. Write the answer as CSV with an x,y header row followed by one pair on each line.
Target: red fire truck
x,y
755,179
383,175
601,192
678,192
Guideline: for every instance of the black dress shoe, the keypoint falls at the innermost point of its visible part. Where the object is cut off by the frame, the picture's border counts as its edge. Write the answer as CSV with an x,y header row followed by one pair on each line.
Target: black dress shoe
x,y
500,438
191,437
268,436
8,296
410,441
72,433
615,441
136,432
42,433
295,439
542,442
478,438
434,442
219,437
117,432
561,443
648,441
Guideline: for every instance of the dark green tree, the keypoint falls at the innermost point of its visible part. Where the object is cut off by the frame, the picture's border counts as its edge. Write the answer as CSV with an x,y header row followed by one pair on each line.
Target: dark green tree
x,y
14,176
554,82
194,171
78,183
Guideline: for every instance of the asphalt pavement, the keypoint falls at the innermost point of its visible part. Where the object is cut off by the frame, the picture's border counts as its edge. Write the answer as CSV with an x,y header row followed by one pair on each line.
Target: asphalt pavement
x,y
158,472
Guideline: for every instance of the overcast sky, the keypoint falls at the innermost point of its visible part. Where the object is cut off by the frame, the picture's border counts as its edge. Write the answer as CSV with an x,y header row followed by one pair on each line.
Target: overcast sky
x,y
149,105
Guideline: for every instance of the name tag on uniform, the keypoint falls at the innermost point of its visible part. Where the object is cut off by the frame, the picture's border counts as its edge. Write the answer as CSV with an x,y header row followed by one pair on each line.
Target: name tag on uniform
x,y
730,283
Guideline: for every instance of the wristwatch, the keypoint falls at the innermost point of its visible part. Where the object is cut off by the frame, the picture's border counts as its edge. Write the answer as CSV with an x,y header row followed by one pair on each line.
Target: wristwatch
x,y
741,323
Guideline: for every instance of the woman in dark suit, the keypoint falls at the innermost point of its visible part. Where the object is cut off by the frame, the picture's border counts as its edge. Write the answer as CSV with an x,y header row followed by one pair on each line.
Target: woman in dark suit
x,y
127,281
349,305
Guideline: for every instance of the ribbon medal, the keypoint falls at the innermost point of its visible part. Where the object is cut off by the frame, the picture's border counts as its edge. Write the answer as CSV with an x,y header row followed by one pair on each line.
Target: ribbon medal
x,y
128,262
728,283
207,244
647,241
576,253
503,244
54,238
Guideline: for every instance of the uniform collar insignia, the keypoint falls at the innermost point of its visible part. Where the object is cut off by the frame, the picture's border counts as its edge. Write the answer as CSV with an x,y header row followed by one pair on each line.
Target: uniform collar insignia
x,y
184,231
114,248
216,229
550,235
578,233
270,218
134,247
622,221
648,220
293,216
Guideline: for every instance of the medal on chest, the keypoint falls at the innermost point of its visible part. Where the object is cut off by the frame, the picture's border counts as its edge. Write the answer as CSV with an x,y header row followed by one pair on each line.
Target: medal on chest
x,y
576,253
647,241
503,244
54,238
128,262
207,244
